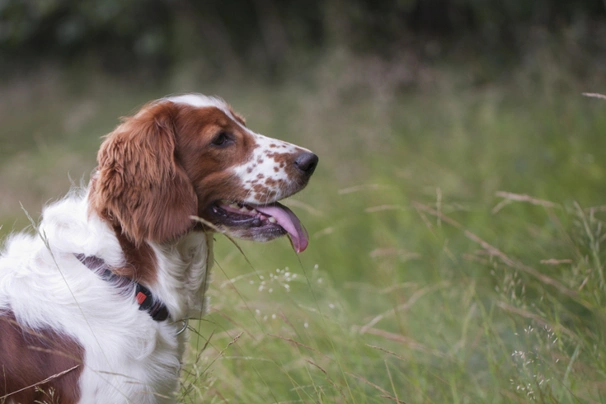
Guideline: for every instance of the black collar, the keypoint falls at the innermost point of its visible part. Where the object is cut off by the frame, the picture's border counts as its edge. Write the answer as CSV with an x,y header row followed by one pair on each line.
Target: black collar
x,y
156,309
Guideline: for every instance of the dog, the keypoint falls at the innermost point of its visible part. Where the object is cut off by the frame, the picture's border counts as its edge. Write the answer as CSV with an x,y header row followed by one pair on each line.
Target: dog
x,y
93,305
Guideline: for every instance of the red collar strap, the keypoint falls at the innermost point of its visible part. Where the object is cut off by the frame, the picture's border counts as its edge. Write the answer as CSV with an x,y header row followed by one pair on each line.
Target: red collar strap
x,y
156,309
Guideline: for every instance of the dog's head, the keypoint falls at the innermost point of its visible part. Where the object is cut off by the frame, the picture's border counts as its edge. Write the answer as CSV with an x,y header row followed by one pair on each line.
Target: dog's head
x,y
191,155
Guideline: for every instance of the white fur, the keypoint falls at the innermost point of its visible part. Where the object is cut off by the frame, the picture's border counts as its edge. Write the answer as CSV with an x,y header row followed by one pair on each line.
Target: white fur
x,y
260,170
129,357
199,101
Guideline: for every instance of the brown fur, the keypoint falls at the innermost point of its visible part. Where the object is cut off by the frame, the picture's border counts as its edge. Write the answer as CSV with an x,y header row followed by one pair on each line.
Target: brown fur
x,y
139,185
158,168
208,167
32,356
140,260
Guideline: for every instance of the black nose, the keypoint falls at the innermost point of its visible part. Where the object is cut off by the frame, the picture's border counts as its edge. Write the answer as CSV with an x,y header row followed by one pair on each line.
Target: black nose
x,y
306,162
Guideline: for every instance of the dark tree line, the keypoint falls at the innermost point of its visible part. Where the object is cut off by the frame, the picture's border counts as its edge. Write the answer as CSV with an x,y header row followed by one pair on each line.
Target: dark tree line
x,y
122,34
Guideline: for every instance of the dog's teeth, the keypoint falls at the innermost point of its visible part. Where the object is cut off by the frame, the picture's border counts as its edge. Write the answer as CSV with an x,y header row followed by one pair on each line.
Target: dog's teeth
x,y
244,209
254,211
272,220
234,206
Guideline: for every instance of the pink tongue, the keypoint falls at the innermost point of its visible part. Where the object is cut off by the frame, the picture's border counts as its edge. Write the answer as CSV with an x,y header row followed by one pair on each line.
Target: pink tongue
x,y
289,222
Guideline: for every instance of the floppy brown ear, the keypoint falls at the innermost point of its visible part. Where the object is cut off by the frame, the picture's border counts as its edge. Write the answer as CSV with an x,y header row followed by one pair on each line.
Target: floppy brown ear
x,y
139,185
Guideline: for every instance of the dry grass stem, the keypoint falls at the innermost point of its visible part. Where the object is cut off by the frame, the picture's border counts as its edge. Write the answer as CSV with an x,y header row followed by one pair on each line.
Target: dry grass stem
x,y
364,187
316,365
554,261
403,307
417,346
595,95
395,355
233,341
382,390
297,343
54,352
535,317
511,197
381,208
306,207
48,379
547,280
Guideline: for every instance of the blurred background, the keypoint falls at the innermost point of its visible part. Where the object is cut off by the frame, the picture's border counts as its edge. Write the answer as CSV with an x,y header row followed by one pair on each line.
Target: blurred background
x,y
456,216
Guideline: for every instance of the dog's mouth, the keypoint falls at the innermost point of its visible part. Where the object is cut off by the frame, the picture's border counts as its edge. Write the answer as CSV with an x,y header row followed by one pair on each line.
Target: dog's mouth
x,y
259,222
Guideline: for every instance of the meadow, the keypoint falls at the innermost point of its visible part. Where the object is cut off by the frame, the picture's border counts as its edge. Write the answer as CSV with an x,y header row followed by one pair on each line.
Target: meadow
x,y
456,234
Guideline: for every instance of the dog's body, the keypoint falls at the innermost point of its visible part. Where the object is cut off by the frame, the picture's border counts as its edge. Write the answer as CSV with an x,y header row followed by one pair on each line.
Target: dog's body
x,y
92,305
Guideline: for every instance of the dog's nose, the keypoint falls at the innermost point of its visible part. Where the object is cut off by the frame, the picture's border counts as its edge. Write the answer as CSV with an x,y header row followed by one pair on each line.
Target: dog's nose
x,y
306,162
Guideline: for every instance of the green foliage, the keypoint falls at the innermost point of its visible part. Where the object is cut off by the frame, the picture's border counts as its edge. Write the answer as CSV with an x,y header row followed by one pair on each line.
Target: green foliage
x,y
435,285
424,281
457,239
112,33
269,36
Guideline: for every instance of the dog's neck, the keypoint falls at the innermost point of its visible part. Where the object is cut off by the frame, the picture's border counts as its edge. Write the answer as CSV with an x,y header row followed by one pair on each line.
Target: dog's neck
x,y
176,272
183,268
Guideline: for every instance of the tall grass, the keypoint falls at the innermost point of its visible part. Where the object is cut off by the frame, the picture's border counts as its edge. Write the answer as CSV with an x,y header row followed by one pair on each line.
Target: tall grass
x,y
456,243
458,324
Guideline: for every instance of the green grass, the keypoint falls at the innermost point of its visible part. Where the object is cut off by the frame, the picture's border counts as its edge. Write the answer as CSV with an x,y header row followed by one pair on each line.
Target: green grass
x,y
456,241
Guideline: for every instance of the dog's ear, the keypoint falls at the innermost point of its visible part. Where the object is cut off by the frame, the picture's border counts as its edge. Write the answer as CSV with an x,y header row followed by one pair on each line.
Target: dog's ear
x,y
139,186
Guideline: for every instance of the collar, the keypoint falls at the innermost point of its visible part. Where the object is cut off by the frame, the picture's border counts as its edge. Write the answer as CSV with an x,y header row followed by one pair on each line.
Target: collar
x,y
156,309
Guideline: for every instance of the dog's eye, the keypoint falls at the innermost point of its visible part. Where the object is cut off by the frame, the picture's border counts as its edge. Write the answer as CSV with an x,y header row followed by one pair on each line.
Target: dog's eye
x,y
222,139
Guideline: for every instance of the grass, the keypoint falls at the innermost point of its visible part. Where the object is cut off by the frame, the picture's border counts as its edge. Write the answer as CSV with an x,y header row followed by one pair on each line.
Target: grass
x,y
456,241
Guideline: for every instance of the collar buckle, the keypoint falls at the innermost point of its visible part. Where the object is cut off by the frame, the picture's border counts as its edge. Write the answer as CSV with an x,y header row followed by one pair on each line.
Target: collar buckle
x,y
184,327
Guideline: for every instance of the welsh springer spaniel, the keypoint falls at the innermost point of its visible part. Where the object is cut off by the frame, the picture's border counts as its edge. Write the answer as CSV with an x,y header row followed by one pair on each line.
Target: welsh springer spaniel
x,y
92,307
